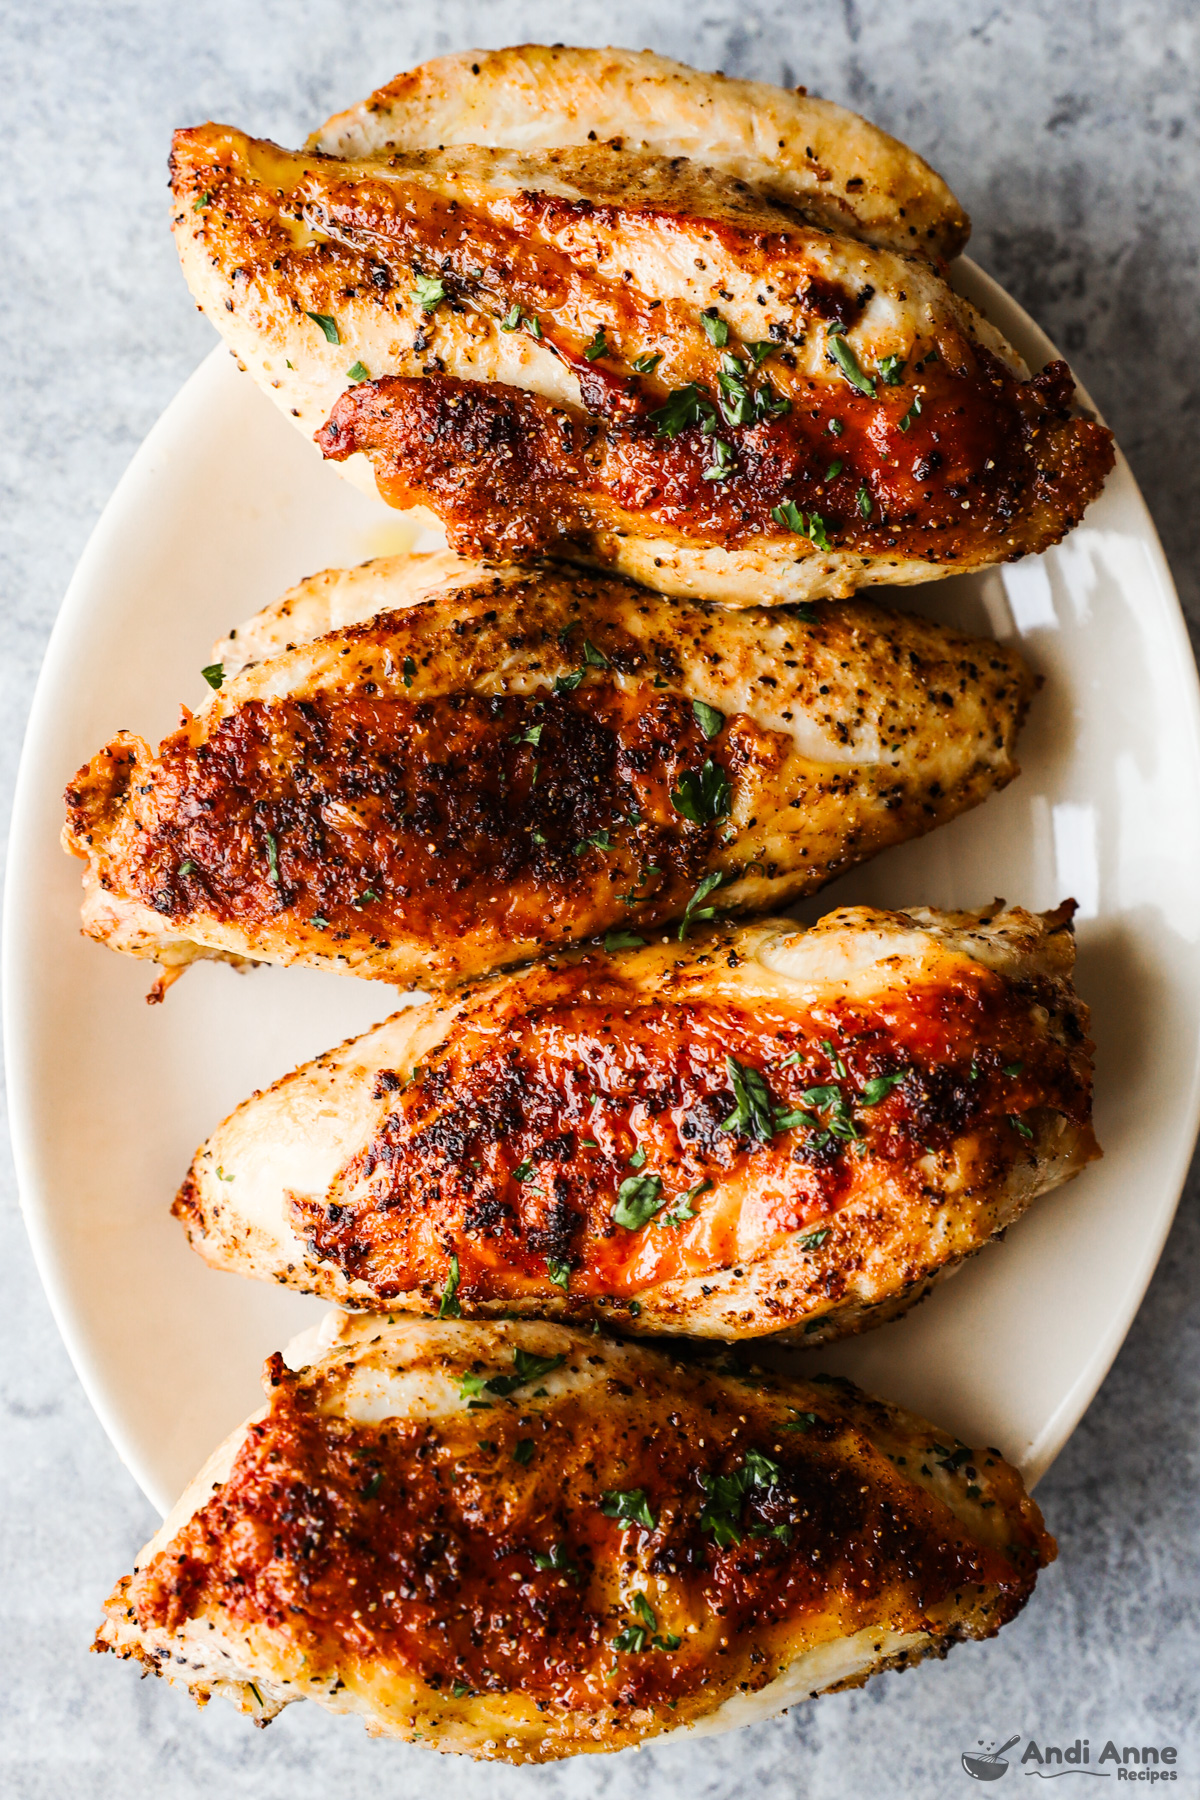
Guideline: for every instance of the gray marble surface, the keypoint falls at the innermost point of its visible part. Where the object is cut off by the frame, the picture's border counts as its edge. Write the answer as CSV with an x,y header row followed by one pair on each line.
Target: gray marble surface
x,y
1070,131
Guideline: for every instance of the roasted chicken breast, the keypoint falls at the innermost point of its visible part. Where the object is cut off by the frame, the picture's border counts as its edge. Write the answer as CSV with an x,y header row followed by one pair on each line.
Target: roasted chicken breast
x,y
523,761
765,1130
835,167
632,361
522,1542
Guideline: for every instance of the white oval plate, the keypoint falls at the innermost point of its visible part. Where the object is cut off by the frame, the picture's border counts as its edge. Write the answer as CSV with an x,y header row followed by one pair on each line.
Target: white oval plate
x,y
225,506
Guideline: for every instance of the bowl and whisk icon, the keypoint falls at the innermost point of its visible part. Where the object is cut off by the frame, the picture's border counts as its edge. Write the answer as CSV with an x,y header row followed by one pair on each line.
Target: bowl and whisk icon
x,y
988,1764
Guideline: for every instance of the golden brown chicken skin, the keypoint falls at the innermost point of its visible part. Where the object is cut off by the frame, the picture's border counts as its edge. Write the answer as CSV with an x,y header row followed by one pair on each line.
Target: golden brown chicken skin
x,y
523,1542
526,760
765,1129
835,167
638,360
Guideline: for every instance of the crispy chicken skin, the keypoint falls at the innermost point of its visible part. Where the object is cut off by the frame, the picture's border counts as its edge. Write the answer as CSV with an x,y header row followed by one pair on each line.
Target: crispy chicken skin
x,y
521,1542
520,762
765,1130
636,362
835,167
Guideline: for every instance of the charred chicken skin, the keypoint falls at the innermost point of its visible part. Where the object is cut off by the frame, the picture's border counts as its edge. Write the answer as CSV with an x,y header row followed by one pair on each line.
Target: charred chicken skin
x,y
521,761
521,1542
632,361
762,1130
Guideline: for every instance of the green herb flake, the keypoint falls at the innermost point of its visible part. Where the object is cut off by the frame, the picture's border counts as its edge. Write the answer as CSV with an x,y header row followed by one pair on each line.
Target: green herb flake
x,y
683,1210
214,674
597,840
459,1691
535,327
912,413
637,1160
470,1387
1020,1126
703,796
684,407
725,1494
201,201
185,868
758,352
646,365
358,372
753,1114
630,1505
622,940
694,911
272,858
430,291
708,718
863,501
449,1307
528,1368
512,318
597,348
1013,1069
523,1452
557,1558
880,1087
790,517
847,362
632,1639
812,1240
715,328
721,466
222,1176
559,1273
800,1421
594,658
835,428
372,1487
566,684
639,1197
819,536
410,670
328,325
891,370
835,468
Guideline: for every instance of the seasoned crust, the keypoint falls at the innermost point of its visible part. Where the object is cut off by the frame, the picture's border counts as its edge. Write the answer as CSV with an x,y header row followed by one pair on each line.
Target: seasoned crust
x,y
573,1140
381,1540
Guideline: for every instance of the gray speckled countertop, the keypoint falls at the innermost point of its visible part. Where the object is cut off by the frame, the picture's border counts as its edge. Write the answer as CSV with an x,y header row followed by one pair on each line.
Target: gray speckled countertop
x,y
1070,131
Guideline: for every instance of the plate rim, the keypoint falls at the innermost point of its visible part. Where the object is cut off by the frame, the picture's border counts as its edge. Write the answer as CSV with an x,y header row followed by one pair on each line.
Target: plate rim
x,y
35,1194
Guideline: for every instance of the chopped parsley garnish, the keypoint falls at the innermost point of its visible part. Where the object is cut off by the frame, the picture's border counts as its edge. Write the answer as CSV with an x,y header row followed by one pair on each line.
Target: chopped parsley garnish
x,y
531,735
637,1160
214,674
880,1087
523,1171
835,468
566,684
633,1638
754,1113
812,1240
1009,1068
911,414
622,940
598,347
684,406
523,1451
737,402
512,318
683,1210
891,369
557,1558
863,500
222,1176
528,1368
596,659
1020,1126
646,365
812,527
430,290
694,910
201,201
372,1486
459,1691
721,466
328,326
535,327
597,840
629,1504
639,1197
470,1386
708,718
847,362
272,858
703,795
410,670
319,922
559,1273
722,1511
358,372
185,868
449,1307
800,1421
760,351
835,428
715,328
